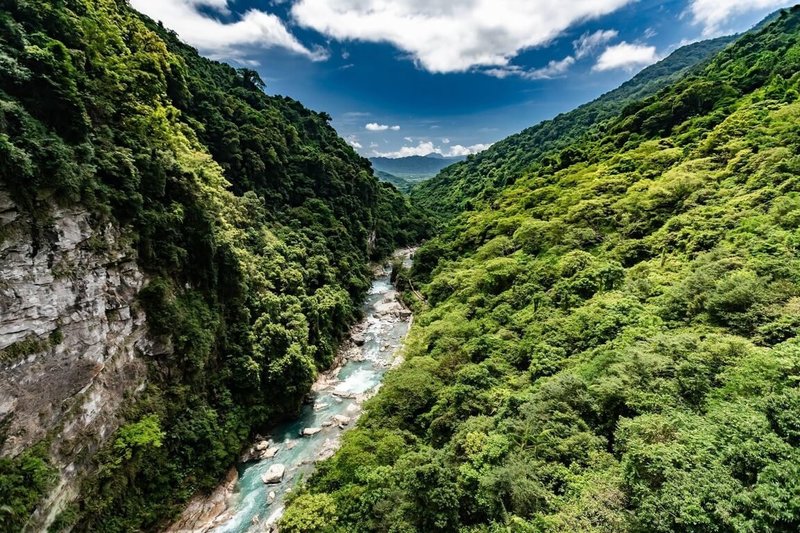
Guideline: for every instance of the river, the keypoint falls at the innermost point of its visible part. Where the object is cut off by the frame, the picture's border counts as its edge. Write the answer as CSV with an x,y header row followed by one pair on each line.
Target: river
x,y
246,503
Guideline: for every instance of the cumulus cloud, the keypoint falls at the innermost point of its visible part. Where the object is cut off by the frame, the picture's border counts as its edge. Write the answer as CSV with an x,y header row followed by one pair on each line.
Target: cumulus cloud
x,y
374,126
553,69
458,150
712,14
626,56
352,140
451,35
221,39
424,148
588,43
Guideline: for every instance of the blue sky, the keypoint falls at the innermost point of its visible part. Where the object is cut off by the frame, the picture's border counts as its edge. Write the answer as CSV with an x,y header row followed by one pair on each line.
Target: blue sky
x,y
406,77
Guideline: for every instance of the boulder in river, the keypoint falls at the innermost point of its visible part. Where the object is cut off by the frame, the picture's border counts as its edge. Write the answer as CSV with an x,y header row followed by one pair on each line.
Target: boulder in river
x,y
270,452
341,420
359,339
308,432
274,475
271,496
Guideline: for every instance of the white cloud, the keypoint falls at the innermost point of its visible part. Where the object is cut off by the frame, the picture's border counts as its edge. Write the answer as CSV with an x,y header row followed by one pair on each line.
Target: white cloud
x,y
446,140
712,14
424,148
374,126
352,140
451,35
588,43
553,69
458,150
221,39
627,56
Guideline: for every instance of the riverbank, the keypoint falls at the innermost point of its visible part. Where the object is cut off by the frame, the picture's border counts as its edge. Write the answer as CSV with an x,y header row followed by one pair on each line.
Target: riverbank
x,y
251,498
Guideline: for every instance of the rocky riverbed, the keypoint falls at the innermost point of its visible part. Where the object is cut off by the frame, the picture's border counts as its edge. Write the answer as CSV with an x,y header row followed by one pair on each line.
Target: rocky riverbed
x,y
252,497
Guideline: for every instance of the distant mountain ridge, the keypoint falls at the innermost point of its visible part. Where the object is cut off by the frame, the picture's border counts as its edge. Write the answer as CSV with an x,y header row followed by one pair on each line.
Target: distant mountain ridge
x,y
461,186
416,165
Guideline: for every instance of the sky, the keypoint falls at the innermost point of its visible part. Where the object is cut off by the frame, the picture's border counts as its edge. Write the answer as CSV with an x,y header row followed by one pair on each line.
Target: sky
x,y
413,77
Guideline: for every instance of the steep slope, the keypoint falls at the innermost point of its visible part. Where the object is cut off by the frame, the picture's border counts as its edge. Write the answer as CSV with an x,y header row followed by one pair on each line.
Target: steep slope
x,y
478,180
612,345
400,183
179,254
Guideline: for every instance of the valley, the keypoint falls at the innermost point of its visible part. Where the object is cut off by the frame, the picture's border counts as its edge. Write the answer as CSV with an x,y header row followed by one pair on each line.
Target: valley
x,y
218,313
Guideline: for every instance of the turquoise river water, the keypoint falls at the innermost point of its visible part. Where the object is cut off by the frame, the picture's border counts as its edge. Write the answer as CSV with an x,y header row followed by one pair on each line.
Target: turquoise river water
x,y
255,506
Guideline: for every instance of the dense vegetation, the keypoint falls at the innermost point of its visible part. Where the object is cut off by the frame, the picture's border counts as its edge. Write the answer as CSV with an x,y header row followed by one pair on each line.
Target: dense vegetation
x,y
479,179
400,183
611,343
253,219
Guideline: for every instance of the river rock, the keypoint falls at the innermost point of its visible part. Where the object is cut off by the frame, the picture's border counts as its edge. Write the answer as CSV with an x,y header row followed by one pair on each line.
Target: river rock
x,y
341,420
308,432
274,475
359,339
271,496
329,448
270,452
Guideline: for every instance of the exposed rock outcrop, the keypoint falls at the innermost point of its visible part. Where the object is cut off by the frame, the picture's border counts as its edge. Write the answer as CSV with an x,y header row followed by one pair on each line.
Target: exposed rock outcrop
x,y
71,336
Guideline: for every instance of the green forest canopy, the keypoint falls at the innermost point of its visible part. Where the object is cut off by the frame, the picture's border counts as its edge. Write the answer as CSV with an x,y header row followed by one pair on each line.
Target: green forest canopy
x,y
610,341
253,219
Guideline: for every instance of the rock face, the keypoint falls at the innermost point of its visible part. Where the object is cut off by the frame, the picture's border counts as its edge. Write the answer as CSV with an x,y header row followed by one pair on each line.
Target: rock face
x,y
71,338
204,512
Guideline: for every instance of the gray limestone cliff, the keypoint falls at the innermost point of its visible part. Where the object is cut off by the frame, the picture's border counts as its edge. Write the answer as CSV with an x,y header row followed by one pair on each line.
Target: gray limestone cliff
x,y
73,339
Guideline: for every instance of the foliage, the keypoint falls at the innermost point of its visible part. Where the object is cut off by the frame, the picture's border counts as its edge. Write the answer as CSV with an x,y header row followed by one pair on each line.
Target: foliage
x,y
611,343
477,181
310,512
23,481
253,219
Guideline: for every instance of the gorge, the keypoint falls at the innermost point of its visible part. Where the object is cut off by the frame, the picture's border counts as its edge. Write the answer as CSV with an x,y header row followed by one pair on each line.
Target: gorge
x,y
252,499
194,337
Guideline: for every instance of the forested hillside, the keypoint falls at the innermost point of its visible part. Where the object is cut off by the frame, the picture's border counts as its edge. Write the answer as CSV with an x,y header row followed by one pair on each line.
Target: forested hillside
x,y
252,220
478,180
611,344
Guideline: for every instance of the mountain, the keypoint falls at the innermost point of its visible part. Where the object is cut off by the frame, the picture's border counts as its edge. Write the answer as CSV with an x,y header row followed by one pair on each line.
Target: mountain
x,y
478,179
179,255
611,344
414,166
402,184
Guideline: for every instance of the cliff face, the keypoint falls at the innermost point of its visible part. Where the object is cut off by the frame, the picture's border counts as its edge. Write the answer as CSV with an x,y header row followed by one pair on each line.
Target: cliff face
x,y
72,337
